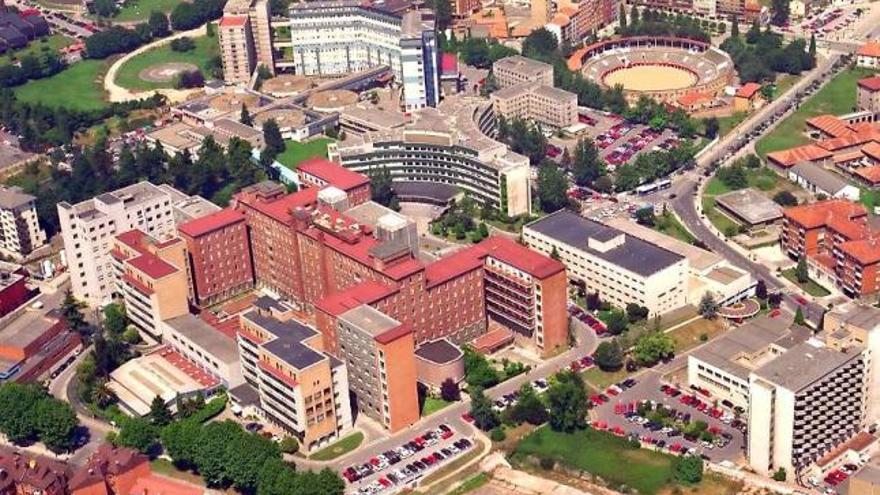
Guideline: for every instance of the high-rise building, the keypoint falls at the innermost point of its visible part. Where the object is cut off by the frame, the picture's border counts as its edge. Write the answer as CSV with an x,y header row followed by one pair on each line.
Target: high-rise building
x,y
546,105
301,388
245,39
20,231
510,71
218,256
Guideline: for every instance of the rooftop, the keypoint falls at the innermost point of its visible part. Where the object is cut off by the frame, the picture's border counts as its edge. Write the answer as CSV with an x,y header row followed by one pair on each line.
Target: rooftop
x,y
830,124
440,351
211,222
214,342
523,65
869,49
375,323
634,254
870,83
803,365
750,205
332,173
698,259
13,197
792,156
137,382
820,213
748,90
288,342
21,331
857,314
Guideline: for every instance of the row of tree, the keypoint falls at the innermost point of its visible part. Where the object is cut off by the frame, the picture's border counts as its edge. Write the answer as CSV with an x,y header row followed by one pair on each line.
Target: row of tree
x,y
38,65
762,54
651,23
28,413
654,165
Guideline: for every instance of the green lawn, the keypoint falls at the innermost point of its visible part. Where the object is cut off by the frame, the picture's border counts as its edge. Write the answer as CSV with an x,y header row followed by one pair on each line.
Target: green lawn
x,y
339,448
611,458
78,87
762,179
668,224
139,10
811,288
129,74
51,43
870,199
836,97
783,83
471,484
295,152
432,405
601,379
726,124
166,468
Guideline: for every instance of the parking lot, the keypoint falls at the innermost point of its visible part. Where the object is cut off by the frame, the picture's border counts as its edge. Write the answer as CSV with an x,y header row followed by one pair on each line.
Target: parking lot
x,y
400,467
612,415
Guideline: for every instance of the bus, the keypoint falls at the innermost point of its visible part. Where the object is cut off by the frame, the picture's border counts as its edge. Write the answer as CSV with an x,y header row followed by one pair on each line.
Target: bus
x,y
653,187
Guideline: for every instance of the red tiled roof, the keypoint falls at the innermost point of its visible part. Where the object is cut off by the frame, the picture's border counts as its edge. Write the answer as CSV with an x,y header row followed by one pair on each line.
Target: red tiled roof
x,y
449,63
393,334
132,239
831,125
872,150
821,213
492,339
452,266
233,20
693,97
869,49
847,141
281,208
869,174
748,90
498,247
849,229
209,223
870,83
152,266
333,173
368,292
158,485
865,251
847,157
793,156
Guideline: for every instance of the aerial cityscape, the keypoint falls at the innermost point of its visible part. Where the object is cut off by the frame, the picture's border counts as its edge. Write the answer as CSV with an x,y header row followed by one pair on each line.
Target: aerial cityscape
x,y
486,247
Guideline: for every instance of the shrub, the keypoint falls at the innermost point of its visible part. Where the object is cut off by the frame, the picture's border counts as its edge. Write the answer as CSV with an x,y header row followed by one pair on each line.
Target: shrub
x,y
289,445
184,44
547,463
497,434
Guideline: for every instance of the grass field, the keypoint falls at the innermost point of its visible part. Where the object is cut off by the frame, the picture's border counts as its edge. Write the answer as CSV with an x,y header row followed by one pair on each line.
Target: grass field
x,y
51,43
471,484
870,199
762,179
601,379
166,468
475,451
668,224
295,152
783,83
689,336
603,455
343,446
78,88
727,124
129,74
836,97
811,288
432,405
139,10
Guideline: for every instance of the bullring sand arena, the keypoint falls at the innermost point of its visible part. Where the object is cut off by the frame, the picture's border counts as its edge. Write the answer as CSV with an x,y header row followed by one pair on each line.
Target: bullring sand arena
x,y
662,68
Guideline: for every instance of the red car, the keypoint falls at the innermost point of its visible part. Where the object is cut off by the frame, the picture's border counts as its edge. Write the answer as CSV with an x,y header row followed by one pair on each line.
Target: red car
x,y
800,300
446,435
384,482
467,417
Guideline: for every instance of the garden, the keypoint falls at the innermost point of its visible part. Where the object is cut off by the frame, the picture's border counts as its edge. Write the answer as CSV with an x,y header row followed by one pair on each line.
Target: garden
x,y
83,79
295,152
160,67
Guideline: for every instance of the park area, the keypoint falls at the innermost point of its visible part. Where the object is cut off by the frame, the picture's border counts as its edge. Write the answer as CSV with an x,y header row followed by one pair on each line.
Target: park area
x,y
159,67
139,10
761,179
296,152
78,87
646,471
837,97
810,287
51,43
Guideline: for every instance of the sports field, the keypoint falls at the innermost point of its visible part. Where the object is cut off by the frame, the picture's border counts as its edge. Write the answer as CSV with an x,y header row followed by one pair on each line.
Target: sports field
x,y
136,73
78,87
651,78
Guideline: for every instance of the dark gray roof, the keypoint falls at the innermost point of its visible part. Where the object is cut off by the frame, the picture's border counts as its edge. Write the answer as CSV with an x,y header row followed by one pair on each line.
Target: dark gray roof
x,y
823,179
245,395
440,192
439,351
636,255
287,344
267,303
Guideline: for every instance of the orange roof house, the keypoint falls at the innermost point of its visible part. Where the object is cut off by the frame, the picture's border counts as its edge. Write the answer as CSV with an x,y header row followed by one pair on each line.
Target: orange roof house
x,y
829,125
869,49
792,156
748,90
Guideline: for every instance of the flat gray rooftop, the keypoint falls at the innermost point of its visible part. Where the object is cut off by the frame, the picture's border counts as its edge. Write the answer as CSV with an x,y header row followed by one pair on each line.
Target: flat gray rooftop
x,y
213,341
635,254
803,365
750,206
288,343
369,319
858,314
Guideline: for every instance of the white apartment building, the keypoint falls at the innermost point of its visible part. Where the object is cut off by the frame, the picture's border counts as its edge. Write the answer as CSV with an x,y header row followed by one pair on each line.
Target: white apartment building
x,y
208,348
803,404
622,268
856,324
345,36
89,227
20,231
510,71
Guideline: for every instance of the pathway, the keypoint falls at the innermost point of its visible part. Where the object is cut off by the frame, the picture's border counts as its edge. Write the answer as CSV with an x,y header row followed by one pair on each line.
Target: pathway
x,y
116,93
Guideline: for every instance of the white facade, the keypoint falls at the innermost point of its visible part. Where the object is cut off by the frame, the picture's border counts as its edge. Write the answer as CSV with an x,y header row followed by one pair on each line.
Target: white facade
x,y
593,264
205,346
340,37
20,231
868,61
88,229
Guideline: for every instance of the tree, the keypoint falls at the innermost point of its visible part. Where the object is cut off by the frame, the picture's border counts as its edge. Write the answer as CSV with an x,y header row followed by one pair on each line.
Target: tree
x,y
288,445
159,24
761,290
104,8
621,17
634,16
785,198
801,272
779,12
55,423
540,44
593,301
774,300
734,26
812,49
554,253
159,414
567,401
708,307
799,317
609,356
711,127
779,475
210,452
115,320
101,394
245,116
71,308
244,455
652,347
688,469
382,189
636,312
645,216
273,139
450,391
528,407
586,165
17,403
478,372
616,322
111,41
485,418
552,187
137,433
